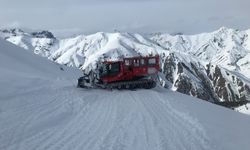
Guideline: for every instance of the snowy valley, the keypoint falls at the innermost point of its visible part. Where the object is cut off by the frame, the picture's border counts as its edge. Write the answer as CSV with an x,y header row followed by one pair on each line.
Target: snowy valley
x,y
210,66
41,108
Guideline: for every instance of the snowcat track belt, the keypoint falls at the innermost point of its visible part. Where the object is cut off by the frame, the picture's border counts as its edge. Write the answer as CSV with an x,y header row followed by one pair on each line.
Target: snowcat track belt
x,y
146,83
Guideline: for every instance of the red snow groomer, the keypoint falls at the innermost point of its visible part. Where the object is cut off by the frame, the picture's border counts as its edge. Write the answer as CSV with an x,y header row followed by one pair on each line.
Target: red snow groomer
x,y
128,73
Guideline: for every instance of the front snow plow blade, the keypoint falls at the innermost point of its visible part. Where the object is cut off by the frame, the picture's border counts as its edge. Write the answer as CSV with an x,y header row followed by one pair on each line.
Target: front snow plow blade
x,y
84,82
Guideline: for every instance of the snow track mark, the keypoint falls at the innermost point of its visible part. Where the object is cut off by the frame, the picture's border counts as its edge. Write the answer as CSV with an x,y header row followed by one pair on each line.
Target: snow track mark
x,y
81,119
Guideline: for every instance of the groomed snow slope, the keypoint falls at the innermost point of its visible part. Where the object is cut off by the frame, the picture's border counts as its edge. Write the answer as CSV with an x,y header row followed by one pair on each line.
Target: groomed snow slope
x,y
40,108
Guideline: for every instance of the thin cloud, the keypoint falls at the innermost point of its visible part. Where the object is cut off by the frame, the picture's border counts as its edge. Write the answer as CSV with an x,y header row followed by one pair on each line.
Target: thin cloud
x,y
188,16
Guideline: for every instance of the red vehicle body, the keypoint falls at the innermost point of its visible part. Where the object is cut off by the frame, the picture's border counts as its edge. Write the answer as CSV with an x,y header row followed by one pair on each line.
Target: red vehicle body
x,y
129,69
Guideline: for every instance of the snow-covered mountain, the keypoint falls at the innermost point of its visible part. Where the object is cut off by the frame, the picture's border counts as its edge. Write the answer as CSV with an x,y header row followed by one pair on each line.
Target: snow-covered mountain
x,y
211,66
41,108
39,42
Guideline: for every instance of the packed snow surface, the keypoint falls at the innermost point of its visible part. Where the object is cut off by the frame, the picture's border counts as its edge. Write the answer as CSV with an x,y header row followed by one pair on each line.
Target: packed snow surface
x,y
40,108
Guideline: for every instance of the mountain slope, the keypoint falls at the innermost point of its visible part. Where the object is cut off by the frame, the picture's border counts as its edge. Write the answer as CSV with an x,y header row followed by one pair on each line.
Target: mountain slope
x,y
18,65
54,114
210,66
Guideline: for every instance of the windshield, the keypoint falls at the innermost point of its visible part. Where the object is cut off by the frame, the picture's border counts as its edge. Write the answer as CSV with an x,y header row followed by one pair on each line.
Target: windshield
x,y
109,69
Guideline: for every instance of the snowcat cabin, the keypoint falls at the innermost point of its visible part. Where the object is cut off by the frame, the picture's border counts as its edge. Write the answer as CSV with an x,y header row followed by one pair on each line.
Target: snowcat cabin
x,y
133,68
110,69
142,66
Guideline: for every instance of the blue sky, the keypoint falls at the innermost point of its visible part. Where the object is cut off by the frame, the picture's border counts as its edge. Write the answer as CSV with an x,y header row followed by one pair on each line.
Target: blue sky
x,y
143,16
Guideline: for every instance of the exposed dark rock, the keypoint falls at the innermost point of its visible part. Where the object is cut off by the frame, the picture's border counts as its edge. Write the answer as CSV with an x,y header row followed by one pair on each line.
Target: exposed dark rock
x,y
169,67
247,88
43,34
218,78
219,84
180,68
232,104
208,88
183,85
206,83
239,82
13,32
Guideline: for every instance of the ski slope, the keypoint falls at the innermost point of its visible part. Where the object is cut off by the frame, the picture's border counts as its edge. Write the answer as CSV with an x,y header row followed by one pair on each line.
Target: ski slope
x,y
40,108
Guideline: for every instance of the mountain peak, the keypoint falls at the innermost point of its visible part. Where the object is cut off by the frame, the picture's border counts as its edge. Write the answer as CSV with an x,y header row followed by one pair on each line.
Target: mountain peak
x,y
224,29
36,34
14,31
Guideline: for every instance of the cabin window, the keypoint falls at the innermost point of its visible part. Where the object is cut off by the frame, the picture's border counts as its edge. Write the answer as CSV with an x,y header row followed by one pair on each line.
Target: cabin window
x,y
114,68
136,62
127,62
151,61
109,69
142,62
